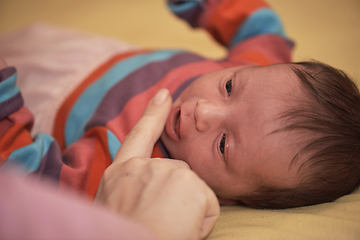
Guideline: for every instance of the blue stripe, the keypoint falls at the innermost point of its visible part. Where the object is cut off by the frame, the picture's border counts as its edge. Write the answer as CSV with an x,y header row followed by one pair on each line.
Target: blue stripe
x,y
262,21
30,156
88,102
8,88
184,6
113,144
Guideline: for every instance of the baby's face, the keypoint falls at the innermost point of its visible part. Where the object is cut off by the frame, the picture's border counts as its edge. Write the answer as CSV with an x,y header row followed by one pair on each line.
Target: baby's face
x,y
222,125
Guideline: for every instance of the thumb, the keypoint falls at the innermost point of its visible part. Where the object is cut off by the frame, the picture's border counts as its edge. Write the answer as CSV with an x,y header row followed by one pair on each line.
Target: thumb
x,y
211,214
141,139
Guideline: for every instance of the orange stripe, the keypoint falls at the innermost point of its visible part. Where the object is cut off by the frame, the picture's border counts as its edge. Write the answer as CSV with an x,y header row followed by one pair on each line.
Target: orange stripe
x,y
228,17
128,117
101,159
157,152
16,137
255,57
62,114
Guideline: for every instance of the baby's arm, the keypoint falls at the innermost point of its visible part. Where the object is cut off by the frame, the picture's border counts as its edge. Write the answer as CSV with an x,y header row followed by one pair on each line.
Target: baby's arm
x,y
250,30
79,166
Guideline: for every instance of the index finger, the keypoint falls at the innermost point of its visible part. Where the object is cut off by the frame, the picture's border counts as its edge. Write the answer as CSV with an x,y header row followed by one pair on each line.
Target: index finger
x,y
141,139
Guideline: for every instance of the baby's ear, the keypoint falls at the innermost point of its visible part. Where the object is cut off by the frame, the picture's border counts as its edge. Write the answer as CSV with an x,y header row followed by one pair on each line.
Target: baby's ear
x,y
226,201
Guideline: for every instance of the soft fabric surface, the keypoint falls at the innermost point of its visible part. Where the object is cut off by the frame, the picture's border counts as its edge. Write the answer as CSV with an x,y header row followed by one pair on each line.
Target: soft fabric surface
x,y
319,33
336,220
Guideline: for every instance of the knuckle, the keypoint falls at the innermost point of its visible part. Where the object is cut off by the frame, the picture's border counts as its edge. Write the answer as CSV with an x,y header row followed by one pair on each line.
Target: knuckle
x,y
154,162
134,163
107,174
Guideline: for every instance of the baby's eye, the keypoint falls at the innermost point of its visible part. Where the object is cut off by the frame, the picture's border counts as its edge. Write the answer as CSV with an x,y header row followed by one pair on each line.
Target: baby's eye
x,y
222,145
228,86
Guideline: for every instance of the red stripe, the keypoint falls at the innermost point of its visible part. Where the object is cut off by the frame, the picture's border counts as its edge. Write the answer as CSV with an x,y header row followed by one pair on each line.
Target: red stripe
x,y
261,50
75,173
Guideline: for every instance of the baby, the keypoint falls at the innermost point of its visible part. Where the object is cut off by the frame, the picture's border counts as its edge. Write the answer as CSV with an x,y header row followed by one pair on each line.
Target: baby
x,y
256,128
276,136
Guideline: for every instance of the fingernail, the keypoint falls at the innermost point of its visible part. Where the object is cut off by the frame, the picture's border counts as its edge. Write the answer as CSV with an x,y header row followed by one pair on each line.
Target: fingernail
x,y
161,96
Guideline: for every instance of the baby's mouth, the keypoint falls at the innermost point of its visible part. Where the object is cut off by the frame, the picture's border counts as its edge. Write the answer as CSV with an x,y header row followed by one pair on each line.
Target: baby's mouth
x,y
177,124
172,127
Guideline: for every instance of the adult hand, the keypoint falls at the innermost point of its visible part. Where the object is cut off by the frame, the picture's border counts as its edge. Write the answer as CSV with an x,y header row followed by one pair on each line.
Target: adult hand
x,y
163,195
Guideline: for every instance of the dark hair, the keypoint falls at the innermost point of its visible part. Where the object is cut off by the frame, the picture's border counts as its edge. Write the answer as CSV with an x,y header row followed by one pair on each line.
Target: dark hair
x,y
332,159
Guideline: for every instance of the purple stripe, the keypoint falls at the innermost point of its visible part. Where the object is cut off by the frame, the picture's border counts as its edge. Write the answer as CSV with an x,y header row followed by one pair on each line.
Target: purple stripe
x,y
11,105
134,84
51,163
163,149
6,73
191,16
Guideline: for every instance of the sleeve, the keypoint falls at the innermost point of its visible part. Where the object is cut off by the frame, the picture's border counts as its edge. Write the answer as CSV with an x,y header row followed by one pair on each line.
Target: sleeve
x,y
42,212
79,166
250,29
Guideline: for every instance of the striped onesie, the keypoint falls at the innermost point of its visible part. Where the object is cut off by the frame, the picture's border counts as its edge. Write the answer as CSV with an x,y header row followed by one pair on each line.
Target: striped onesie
x,y
87,95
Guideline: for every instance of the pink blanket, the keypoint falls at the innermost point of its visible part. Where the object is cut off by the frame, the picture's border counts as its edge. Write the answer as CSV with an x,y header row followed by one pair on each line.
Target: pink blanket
x,y
51,62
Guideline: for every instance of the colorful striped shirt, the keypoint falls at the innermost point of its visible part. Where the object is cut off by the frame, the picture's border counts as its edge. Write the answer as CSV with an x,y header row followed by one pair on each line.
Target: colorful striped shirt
x,y
94,119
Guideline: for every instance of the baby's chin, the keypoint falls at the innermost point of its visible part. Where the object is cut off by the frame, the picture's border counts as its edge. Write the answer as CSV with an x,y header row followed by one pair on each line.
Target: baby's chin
x,y
164,139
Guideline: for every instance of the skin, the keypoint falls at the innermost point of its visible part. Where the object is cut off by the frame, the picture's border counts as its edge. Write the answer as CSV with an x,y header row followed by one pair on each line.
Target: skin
x,y
156,192
247,114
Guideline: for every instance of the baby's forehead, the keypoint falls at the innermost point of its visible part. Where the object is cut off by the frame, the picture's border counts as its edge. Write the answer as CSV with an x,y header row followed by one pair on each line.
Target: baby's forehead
x,y
270,75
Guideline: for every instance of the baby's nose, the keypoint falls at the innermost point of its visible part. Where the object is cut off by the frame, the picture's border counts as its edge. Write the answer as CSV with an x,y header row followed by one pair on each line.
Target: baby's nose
x,y
208,115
